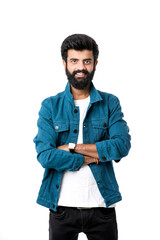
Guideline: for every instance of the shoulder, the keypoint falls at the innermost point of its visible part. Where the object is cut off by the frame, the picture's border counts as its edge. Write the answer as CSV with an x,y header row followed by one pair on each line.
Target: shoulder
x,y
50,104
53,99
109,97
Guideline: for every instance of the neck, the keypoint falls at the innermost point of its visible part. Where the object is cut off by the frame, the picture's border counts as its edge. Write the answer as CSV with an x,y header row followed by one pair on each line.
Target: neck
x,y
80,94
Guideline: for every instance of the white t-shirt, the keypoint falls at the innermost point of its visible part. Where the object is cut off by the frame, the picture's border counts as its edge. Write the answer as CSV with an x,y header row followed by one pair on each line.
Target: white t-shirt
x,y
79,188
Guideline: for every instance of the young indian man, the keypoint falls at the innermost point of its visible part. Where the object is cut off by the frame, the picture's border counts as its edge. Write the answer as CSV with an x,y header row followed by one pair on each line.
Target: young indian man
x,y
81,131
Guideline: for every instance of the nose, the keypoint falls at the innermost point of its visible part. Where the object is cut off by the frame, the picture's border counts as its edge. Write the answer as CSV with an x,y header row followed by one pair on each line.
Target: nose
x,y
81,65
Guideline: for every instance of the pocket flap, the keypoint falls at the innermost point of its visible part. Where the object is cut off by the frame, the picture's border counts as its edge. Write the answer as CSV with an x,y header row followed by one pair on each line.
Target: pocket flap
x,y
61,126
102,124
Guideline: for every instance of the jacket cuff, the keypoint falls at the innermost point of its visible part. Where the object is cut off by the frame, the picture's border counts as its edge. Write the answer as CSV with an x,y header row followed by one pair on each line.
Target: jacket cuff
x,y
102,151
78,161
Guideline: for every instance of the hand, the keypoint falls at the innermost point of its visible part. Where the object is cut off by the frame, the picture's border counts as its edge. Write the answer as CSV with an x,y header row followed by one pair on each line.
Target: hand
x,y
63,147
89,160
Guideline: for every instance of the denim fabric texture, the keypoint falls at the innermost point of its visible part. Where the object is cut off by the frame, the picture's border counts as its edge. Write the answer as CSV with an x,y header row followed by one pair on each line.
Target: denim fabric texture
x,y
58,124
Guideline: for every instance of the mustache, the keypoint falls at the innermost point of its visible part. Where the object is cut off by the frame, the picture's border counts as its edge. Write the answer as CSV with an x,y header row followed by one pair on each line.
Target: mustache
x,y
80,71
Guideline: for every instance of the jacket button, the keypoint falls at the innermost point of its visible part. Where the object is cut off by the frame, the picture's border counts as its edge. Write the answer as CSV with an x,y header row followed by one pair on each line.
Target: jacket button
x,y
104,124
75,131
57,186
56,127
75,110
104,158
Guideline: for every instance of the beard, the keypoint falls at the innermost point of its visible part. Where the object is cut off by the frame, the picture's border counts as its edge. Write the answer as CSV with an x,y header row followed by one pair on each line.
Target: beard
x,y
80,82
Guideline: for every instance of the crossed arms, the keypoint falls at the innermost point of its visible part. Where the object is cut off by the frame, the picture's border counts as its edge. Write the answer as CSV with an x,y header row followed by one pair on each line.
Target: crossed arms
x,y
89,151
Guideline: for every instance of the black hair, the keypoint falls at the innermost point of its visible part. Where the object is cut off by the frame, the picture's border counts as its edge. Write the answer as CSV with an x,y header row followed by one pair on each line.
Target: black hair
x,y
79,42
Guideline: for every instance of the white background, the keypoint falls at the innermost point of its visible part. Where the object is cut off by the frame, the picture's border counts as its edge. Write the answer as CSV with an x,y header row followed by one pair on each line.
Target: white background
x,y
128,35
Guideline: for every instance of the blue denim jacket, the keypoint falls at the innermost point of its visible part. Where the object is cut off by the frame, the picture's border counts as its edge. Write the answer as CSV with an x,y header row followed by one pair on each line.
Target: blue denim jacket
x,y
58,124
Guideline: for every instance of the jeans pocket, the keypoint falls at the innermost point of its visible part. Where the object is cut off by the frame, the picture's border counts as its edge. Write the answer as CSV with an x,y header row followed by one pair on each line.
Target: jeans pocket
x,y
106,212
59,214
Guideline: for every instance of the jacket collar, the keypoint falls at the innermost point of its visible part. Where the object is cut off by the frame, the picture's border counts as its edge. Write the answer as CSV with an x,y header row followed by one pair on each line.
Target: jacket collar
x,y
94,94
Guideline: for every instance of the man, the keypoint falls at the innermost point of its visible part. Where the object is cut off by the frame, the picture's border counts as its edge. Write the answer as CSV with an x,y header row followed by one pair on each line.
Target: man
x,y
81,131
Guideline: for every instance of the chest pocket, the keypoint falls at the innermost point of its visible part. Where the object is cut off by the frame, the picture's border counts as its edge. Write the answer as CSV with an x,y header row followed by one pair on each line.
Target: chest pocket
x,y
62,132
100,129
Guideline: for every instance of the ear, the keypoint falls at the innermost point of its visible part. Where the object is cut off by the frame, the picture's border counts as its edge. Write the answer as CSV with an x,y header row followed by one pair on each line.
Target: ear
x,y
96,64
64,64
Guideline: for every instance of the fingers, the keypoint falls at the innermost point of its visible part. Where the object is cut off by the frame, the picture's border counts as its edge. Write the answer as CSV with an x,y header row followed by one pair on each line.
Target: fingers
x,y
89,160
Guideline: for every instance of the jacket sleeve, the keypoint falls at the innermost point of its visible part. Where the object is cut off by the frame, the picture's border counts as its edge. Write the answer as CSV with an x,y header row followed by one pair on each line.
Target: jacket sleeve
x,y
47,153
118,144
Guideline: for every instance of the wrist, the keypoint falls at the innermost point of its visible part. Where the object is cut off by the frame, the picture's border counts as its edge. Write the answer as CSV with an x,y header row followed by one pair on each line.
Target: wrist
x,y
71,147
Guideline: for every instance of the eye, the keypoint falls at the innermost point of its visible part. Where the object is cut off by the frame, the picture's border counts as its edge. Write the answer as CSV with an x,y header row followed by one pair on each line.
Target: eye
x,y
87,61
73,60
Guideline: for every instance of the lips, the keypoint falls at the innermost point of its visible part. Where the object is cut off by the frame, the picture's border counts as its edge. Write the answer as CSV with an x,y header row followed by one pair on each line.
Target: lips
x,y
80,74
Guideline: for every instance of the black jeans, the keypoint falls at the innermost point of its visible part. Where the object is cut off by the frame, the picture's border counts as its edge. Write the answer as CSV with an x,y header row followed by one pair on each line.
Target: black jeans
x,y
96,223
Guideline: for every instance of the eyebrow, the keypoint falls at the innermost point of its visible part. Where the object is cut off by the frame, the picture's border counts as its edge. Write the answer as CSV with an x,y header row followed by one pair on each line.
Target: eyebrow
x,y
90,59
87,59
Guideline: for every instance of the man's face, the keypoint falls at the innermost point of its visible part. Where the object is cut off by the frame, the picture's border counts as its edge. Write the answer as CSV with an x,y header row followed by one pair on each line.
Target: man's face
x,y
80,68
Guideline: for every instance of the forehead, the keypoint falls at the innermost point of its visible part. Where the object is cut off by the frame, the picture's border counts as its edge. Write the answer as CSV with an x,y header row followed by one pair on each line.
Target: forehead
x,y
84,54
